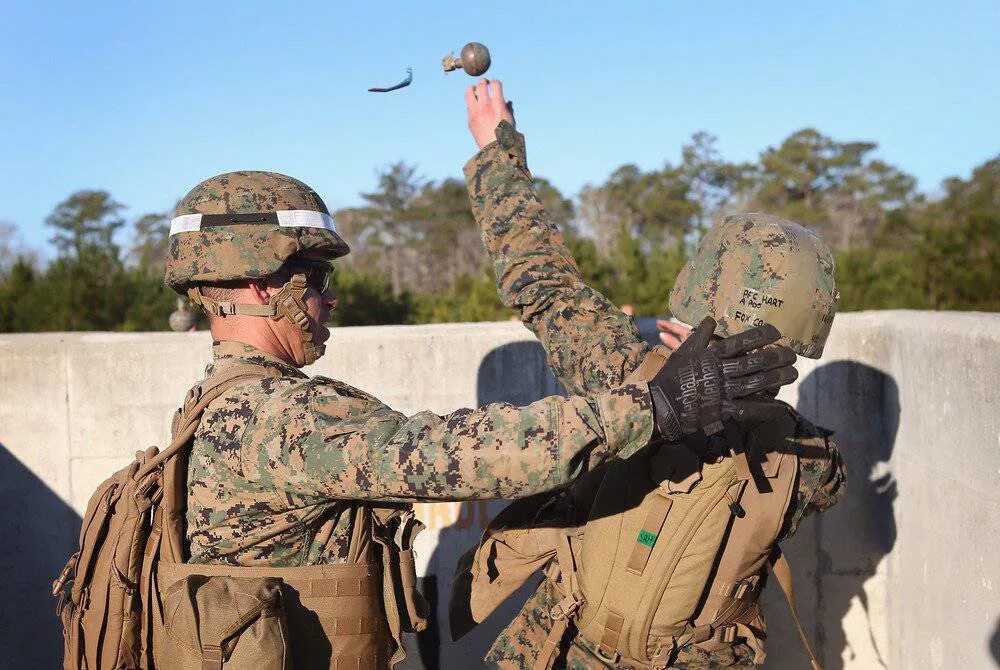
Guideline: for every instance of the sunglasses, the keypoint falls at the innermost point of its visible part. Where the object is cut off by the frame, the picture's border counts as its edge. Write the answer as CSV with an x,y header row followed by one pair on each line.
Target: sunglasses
x,y
317,274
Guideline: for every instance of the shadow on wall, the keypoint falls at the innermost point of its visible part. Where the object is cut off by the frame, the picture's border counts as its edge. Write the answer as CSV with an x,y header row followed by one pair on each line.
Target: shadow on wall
x,y
516,373
40,533
861,404
994,644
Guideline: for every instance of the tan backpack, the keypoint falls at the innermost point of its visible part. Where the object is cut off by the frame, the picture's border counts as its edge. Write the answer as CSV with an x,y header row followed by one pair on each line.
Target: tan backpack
x,y
128,599
648,554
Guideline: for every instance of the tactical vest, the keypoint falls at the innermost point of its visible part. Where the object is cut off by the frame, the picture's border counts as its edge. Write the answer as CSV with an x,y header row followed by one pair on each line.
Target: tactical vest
x,y
648,554
129,599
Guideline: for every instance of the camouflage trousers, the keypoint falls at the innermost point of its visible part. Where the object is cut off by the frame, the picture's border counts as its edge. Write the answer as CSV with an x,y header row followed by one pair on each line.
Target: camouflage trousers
x,y
517,646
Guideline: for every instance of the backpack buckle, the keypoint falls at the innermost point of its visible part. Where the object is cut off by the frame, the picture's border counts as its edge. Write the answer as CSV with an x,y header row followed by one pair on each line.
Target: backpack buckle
x,y
665,655
150,489
566,608
192,397
744,588
609,655
63,577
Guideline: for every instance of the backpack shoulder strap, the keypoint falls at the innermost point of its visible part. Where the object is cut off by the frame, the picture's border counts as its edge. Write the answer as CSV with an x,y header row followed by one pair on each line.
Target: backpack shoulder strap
x,y
173,506
783,574
219,383
568,608
198,398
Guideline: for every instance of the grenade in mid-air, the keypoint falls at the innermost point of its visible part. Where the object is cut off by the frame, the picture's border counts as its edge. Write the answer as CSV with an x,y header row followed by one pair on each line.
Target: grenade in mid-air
x,y
474,59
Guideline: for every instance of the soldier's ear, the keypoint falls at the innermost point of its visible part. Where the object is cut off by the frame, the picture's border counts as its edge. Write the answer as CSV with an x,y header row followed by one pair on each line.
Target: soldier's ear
x,y
259,292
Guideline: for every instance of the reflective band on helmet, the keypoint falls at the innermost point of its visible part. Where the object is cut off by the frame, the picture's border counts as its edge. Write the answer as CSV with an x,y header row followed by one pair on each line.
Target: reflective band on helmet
x,y
304,218
292,218
185,224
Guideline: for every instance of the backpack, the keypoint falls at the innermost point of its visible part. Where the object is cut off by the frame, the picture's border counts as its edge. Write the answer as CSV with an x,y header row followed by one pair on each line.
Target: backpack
x,y
649,554
127,598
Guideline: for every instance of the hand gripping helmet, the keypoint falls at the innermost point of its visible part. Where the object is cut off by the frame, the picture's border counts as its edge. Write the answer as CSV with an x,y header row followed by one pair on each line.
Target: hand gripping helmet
x,y
245,225
753,269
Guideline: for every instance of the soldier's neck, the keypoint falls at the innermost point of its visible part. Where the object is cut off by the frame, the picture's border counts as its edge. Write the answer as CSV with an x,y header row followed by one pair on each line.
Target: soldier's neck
x,y
255,331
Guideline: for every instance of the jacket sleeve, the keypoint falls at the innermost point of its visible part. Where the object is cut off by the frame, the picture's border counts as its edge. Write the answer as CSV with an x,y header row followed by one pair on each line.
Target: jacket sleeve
x,y
591,345
317,445
822,476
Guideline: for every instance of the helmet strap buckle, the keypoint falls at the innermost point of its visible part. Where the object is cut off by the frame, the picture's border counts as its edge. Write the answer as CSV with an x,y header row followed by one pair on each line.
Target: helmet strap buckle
x,y
289,303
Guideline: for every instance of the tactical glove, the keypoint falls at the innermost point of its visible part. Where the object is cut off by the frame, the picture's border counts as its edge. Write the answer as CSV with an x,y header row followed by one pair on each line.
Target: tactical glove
x,y
704,382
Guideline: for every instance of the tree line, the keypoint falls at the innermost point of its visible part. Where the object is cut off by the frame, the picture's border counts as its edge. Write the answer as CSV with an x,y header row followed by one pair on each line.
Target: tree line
x,y
417,257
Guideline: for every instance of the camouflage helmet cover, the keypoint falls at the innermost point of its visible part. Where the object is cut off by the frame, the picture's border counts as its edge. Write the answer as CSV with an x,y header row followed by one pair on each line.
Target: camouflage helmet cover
x,y
753,269
292,218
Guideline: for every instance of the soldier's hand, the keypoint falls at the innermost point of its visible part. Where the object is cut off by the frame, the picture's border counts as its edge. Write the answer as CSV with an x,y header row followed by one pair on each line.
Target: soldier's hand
x,y
486,108
704,382
672,333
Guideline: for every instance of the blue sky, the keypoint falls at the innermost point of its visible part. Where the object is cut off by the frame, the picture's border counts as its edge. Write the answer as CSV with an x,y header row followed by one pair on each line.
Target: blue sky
x,y
145,100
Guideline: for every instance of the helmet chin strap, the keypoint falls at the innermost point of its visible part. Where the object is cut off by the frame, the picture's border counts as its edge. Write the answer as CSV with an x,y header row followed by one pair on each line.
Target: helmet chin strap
x,y
287,303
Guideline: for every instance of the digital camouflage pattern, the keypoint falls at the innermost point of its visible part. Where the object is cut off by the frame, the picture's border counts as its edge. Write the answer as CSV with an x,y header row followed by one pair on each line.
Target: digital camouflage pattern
x,y
279,466
251,250
753,269
591,346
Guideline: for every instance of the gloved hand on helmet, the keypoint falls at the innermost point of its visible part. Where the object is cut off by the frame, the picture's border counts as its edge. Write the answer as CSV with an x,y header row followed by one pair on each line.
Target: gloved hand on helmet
x,y
704,382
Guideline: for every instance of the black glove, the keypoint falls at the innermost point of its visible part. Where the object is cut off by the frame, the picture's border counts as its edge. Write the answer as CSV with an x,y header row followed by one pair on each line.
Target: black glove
x,y
704,382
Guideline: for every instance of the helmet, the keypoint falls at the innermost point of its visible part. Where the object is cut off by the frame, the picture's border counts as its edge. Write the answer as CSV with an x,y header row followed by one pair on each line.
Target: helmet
x,y
753,269
246,225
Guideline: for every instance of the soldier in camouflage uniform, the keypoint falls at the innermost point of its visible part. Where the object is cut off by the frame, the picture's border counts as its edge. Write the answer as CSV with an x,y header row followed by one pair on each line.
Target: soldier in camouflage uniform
x,y
282,467
591,346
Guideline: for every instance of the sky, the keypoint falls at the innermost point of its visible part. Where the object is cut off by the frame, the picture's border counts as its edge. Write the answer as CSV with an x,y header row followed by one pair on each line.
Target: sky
x,y
145,100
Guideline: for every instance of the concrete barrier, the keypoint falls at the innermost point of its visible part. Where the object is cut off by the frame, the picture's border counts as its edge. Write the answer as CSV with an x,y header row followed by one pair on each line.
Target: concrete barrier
x,y
904,573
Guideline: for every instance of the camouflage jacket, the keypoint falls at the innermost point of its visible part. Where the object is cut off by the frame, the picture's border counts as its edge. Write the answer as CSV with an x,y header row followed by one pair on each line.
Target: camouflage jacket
x,y
591,346
280,465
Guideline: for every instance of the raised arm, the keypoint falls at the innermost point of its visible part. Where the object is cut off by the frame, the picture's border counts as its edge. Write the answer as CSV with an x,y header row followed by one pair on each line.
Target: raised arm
x,y
591,345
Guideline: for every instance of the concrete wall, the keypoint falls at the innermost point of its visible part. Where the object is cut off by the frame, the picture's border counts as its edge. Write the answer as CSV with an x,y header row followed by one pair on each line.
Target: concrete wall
x,y
904,573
